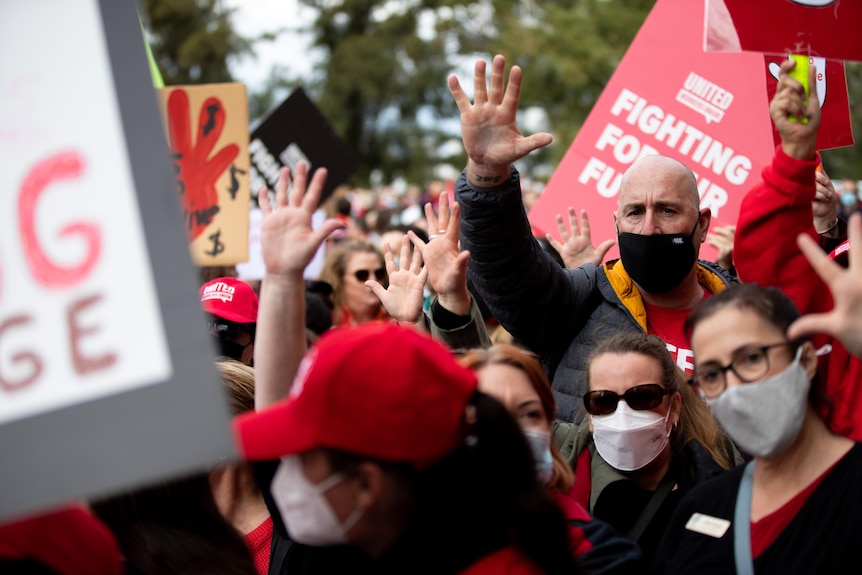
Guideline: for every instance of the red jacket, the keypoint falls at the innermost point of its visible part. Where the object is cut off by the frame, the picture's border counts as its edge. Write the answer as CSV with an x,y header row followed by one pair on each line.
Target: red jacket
x,y
772,215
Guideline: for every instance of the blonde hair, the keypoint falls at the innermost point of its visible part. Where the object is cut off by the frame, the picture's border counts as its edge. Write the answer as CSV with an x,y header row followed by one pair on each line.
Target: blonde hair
x,y
238,380
506,354
696,421
335,266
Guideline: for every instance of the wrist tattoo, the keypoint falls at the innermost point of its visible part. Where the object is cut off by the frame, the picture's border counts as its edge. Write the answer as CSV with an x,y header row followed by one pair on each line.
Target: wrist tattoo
x,y
488,179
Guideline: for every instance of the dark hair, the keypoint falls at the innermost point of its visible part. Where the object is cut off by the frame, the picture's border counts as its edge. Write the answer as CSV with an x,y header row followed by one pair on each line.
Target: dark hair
x,y
483,496
769,303
175,527
772,306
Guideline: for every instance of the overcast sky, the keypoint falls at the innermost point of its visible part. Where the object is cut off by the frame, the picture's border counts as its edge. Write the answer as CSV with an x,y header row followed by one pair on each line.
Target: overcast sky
x,y
254,17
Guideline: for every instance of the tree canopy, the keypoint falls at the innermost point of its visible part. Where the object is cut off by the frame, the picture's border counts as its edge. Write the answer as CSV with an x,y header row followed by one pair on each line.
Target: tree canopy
x,y
381,66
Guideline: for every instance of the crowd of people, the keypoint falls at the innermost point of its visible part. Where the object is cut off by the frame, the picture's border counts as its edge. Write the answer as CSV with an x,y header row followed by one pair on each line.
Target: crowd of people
x,y
453,394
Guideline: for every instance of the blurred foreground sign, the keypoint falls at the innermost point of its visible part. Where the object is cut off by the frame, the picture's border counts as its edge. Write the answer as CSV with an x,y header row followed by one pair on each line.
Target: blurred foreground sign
x,y
106,378
667,96
207,129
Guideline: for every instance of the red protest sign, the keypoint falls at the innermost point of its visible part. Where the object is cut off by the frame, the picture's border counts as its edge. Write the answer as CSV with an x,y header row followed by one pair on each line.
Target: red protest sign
x,y
823,28
831,86
669,97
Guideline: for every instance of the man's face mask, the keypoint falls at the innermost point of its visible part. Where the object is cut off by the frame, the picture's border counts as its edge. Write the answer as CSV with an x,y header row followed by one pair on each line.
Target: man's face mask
x,y
658,262
226,332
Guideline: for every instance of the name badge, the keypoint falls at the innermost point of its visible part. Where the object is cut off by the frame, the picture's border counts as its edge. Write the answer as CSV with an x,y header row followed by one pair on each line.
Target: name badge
x,y
708,525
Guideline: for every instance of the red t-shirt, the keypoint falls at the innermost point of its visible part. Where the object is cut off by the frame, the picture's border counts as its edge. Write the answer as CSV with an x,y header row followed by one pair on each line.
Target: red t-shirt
x,y
667,324
258,541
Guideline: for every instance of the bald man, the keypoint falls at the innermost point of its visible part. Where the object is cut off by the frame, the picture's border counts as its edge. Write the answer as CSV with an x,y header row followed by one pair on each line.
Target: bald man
x,y
557,313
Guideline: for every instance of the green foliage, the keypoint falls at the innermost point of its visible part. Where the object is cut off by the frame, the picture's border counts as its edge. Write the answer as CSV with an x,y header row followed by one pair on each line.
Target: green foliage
x,y
847,162
192,40
568,52
381,71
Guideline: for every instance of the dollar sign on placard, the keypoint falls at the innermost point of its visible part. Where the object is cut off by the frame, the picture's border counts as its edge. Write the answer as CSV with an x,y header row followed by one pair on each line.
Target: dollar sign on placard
x,y
218,246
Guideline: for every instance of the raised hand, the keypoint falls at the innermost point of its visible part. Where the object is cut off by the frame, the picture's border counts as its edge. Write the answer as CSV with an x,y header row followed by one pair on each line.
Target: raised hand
x,y
576,245
404,296
844,321
288,242
489,128
798,140
445,263
721,238
825,204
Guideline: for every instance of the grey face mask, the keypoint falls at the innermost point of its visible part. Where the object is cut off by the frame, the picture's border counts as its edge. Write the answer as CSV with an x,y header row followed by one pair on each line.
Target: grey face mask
x,y
764,418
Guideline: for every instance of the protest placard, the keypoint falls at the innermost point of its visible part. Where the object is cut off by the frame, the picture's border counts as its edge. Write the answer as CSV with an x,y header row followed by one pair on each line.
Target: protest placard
x,y
207,127
819,28
106,375
835,130
667,96
296,130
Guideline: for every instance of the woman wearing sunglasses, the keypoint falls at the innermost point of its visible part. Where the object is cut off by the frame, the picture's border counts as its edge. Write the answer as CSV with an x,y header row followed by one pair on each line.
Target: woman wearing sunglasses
x,y
516,378
647,440
797,502
347,267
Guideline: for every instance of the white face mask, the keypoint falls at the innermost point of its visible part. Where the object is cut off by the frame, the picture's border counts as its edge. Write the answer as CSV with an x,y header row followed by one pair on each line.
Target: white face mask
x,y
306,513
540,444
763,418
629,439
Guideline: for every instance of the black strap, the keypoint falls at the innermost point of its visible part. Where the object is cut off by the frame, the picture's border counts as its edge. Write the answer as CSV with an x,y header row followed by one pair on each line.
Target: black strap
x,y
658,497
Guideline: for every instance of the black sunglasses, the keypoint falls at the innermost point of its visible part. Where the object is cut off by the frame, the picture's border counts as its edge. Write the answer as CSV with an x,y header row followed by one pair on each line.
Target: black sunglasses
x,y
363,275
228,330
640,397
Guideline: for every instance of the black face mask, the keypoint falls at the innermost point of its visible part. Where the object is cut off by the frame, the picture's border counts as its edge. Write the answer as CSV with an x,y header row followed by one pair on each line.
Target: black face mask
x,y
657,263
231,349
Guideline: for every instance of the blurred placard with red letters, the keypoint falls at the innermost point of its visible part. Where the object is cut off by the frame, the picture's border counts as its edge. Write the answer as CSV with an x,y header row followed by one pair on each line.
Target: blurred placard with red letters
x,y
97,293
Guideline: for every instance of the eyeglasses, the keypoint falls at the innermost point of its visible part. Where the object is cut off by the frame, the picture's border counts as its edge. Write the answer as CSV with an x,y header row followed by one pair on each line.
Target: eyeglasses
x,y
748,365
640,397
363,275
228,330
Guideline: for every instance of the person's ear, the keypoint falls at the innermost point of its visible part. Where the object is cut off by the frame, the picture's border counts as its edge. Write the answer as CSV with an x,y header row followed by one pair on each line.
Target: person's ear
x,y
371,485
809,359
675,408
704,219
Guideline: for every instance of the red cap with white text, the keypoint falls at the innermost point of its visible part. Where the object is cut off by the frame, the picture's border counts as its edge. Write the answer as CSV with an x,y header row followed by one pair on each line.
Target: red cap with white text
x,y
377,390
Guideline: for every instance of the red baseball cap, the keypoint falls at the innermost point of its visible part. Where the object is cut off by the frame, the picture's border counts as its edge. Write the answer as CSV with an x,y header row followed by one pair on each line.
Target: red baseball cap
x,y
230,299
377,390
